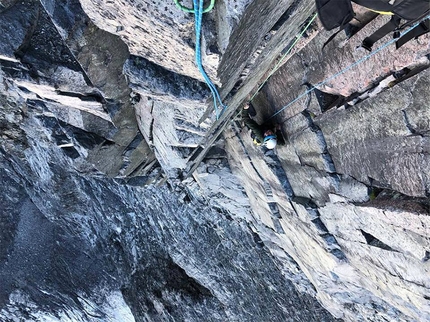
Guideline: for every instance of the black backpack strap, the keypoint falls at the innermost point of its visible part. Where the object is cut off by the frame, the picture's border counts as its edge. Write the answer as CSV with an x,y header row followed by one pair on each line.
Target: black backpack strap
x,y
334,13
375,5
421,29
412,9
390,26
342,27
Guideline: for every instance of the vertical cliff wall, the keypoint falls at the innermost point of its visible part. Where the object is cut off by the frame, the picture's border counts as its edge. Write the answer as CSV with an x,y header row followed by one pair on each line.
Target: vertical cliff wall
x,y
126,199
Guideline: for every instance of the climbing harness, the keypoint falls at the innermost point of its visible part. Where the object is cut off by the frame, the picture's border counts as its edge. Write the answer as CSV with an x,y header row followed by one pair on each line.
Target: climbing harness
x,y
191,10
198,11
348,67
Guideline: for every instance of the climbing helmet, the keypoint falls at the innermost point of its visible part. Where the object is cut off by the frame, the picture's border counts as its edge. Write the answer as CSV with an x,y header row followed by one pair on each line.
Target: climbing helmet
x,y
270,141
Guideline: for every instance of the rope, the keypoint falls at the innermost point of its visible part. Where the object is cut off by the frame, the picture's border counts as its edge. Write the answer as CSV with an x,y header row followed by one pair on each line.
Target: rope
x,y
198,11
297,38
198,16
347,68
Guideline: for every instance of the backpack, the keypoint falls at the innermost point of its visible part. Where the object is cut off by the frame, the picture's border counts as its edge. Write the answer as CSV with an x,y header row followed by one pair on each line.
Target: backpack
x,y
338,13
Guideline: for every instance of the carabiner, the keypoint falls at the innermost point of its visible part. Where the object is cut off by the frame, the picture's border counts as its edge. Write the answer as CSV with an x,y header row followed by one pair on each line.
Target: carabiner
x,y
191,10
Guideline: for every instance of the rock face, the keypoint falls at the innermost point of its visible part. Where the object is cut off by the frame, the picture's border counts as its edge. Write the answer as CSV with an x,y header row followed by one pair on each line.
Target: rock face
x,y
103,113
80,248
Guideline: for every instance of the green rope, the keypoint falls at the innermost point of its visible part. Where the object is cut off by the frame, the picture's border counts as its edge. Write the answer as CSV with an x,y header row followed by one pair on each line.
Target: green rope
x,y
191,10
298,37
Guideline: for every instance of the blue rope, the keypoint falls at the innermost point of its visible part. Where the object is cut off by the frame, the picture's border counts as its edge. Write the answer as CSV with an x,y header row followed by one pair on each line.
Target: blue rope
x,y
347,68
198,16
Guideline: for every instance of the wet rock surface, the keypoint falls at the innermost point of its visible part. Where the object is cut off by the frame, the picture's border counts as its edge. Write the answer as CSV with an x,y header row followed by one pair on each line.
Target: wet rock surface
x,y
102,112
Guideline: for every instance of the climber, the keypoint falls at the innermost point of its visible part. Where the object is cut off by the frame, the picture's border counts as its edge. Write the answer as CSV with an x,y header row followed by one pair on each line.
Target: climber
x,y
268,135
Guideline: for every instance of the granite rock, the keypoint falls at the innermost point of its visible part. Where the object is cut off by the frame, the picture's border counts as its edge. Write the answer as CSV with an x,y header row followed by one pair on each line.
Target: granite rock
x,y
102,113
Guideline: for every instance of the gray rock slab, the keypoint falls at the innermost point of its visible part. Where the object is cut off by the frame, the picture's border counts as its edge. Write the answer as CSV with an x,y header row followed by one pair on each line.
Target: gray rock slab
x,y
157,31
87,115
309,147
159,83
13,30
417,114
352,190
373,141
387,248
305,180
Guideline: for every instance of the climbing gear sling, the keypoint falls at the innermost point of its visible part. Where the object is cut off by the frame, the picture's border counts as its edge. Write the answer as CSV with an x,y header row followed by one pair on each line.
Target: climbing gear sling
x,y
338,13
